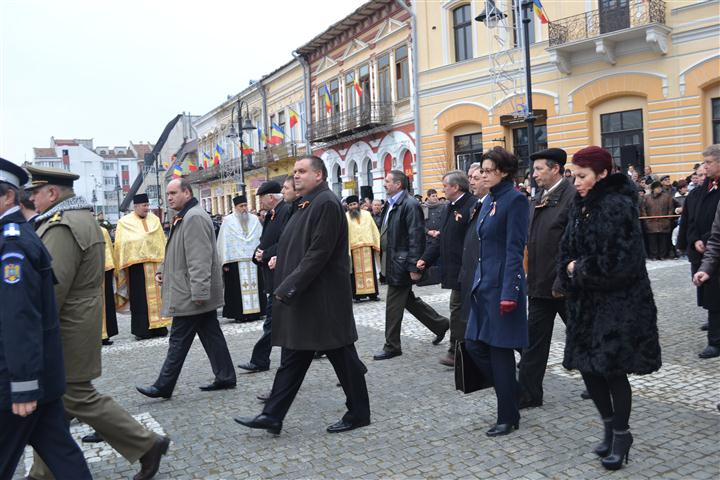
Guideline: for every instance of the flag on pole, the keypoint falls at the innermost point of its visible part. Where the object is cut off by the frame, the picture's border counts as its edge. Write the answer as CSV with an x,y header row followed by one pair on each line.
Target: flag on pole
x,y
540,11
328,103
276,134
177,171
294,117
358,87
246,149
218,154
192,167
206,160
263,137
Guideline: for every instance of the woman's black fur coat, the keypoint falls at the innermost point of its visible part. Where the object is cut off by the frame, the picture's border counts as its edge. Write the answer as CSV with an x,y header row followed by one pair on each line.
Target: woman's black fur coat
x,y
612,324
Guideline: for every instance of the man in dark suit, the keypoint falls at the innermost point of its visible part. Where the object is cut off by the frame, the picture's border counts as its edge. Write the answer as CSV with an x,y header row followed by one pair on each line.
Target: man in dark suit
x,y
402,242
313,303
447,248
695,226
548,218
279,211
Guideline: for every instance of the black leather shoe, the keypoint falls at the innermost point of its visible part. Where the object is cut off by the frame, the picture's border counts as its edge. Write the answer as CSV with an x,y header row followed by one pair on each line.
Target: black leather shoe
x,y
262,422
252,368
529,403
502,429
439,338
94,437
585,395
264,397
345,425
150,462
107,341
710,351
704,327
217,386
448,360
153,392
385,355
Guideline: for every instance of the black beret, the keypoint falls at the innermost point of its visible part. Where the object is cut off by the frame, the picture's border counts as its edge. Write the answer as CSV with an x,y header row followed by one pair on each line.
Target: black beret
x,y
239,199
271,186
555,154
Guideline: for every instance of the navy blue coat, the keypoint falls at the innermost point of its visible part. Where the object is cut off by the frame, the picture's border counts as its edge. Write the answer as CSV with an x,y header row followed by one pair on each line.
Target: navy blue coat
x,y
31,360
502,229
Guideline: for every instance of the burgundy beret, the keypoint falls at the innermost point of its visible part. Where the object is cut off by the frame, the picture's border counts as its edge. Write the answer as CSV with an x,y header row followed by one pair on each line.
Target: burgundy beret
x,y
595,158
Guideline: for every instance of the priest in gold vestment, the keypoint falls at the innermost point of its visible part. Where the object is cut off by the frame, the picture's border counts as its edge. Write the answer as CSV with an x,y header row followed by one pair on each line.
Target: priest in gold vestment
x,y
363,241
110,326
139,250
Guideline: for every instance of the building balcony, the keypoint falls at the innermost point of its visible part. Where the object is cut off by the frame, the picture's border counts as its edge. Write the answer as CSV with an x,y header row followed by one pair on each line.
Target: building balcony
x,y
603,34
364,117
277,153
227,168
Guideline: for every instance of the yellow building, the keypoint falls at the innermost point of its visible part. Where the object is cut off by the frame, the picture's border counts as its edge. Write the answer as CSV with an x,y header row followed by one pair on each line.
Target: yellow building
x,y
638,77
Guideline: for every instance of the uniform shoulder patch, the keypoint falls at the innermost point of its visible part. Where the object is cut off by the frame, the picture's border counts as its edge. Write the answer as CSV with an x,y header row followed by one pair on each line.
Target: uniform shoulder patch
x,y
11,230
56,218
12,269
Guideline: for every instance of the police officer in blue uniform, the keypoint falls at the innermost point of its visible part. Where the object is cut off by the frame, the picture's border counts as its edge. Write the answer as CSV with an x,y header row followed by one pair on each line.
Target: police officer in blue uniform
x,y
32,378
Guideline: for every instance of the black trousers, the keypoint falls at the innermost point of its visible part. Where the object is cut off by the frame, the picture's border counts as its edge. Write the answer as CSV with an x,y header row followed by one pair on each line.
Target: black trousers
x,y
658,245
111,325
182,335
294,365
458,324
47,431
403,298
541,320
612,396
139,317
499,364
261,351
713,333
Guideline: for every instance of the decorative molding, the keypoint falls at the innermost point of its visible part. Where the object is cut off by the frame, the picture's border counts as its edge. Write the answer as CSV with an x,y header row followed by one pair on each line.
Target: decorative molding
x,y
681,77
662,77
387,29
561,61
355,46
325,64
658,39
708,31
457,104
606,50
692,6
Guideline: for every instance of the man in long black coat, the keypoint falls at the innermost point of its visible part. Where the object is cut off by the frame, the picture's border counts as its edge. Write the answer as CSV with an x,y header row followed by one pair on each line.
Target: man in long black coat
x,y
313,303
695,225
447,250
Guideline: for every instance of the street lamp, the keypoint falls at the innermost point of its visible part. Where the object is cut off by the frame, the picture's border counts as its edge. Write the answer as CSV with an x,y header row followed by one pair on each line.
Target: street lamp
x,y
490,16
243,124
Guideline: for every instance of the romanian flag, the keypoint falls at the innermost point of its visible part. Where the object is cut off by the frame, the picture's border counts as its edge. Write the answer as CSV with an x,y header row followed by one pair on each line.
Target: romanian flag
x,y
177,171
294,118
263,137
206,160
326,96
218,154
246,149
276,134
540,11
192,166
358,87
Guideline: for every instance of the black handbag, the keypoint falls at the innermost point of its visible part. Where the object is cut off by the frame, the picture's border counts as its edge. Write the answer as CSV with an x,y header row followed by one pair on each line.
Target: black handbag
x,y
468,377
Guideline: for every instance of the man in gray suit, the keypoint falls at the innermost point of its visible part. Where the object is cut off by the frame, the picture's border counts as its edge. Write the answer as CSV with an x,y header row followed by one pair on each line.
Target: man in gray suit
x,y
191,281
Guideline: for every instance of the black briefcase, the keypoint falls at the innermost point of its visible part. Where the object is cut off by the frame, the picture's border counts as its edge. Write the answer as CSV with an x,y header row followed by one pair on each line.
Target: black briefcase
x,y
468,377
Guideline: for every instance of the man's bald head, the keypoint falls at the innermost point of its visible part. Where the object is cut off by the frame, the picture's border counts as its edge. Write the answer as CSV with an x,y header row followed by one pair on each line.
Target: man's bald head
x,y
179,192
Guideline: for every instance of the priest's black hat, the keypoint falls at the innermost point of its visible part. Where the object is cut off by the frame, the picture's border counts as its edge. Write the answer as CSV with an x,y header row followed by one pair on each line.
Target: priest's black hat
x,y
239,199
352,199
141,198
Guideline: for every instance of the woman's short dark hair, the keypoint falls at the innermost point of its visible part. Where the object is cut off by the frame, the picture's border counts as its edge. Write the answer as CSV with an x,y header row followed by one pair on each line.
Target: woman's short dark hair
x,y
504,161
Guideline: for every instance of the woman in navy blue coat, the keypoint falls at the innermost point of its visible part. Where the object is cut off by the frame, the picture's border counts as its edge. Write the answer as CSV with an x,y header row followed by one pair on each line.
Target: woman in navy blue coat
x,y
498,320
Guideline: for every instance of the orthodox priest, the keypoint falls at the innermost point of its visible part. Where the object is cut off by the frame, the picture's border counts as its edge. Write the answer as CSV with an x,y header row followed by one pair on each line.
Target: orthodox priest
x,y
139,250
364,241
238,238
110,326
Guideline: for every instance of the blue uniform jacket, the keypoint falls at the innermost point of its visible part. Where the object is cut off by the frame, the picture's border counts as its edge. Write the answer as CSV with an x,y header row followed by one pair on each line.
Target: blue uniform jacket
x,y
502,229
31,361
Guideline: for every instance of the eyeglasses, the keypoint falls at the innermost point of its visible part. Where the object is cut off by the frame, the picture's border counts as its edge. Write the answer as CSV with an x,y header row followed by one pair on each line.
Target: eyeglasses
x,y
487,171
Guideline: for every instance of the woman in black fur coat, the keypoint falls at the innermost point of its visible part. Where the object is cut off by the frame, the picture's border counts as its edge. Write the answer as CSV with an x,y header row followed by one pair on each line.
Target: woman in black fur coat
x,y
612,324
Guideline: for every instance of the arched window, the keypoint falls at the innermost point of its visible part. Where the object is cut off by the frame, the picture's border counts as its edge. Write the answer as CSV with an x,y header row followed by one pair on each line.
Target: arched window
x,y
387,163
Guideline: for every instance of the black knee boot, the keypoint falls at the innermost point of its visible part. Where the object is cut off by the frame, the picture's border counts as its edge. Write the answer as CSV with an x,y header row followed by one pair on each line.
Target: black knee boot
x,y
620,450
603,449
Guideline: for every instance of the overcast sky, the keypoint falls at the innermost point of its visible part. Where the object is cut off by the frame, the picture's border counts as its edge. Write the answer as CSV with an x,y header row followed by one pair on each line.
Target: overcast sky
x,y
119,70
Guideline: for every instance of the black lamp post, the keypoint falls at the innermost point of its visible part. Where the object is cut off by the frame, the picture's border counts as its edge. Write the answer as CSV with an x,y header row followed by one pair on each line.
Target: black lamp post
x,y
490,17
243,124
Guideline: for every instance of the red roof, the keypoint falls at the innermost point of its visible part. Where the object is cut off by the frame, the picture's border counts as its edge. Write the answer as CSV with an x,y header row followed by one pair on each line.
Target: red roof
x,y
45,152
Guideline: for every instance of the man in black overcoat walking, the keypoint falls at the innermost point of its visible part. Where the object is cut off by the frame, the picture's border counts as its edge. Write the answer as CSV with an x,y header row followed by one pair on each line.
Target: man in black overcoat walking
x,y
313,303
695,225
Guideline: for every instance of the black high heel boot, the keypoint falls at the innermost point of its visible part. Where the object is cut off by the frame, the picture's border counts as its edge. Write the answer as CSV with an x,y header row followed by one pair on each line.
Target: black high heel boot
x,y
620,450
603,448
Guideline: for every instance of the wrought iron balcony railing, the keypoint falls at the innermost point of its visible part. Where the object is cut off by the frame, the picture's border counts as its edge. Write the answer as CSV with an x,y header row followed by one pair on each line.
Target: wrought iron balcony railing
x,y
276,153
224,169
598,22
362,117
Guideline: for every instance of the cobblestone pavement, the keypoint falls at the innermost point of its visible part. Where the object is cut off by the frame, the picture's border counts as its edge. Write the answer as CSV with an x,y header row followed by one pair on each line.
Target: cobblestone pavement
x,y
421,427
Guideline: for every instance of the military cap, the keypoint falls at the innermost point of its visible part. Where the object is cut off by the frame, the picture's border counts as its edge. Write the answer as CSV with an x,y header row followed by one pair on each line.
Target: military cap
x,y
557,155
50,176
13,174
271,186
239,199
141,198
352,199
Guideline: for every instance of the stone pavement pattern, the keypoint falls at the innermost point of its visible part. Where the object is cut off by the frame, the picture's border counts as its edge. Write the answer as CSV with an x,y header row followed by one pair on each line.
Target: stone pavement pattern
x,y
421,427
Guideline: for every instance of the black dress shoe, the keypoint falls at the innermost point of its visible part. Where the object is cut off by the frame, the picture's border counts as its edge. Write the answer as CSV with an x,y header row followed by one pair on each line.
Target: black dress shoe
x,y
528,403
439,338
107,341
585,395
502,429
710,351
94,437
150,462
704,327
153,392
345,425
262,422
264,397
318,355
385,355
217,386
448,360
252,368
